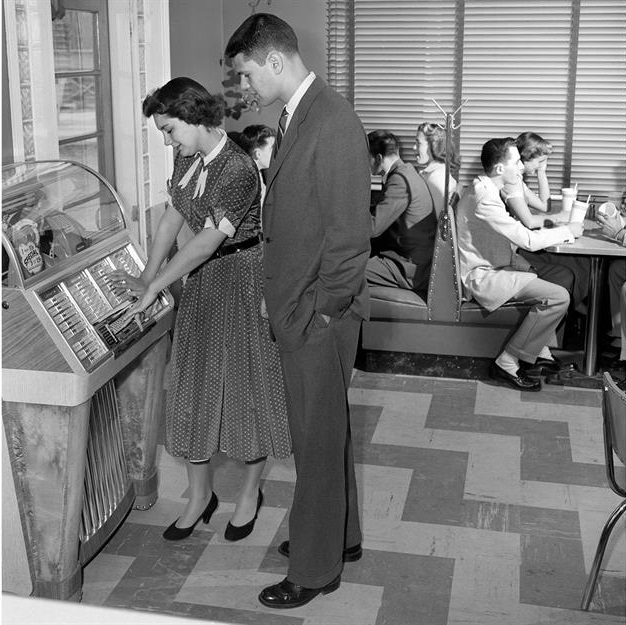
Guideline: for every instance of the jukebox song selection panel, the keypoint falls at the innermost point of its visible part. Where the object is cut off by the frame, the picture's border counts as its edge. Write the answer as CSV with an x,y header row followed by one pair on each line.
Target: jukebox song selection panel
x,y
87,310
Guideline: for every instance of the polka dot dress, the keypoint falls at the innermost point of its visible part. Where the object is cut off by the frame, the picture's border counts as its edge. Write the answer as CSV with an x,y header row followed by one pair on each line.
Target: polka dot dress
x,y
226,391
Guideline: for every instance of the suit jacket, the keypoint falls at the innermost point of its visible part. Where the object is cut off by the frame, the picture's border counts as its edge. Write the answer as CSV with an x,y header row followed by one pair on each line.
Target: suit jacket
x,y
316,219
488,237
404,221
404,197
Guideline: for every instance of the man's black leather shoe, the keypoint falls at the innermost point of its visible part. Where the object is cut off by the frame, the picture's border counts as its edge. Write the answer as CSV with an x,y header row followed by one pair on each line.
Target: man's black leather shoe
x,y
521,381
351,554
548,365
286,594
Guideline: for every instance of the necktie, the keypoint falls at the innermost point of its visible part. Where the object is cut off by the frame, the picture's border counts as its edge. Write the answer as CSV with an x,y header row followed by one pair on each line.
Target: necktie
x,y
282,126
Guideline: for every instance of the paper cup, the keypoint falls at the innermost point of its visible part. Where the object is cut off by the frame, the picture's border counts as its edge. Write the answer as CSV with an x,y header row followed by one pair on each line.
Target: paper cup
x,y
615,197
579,211
569,195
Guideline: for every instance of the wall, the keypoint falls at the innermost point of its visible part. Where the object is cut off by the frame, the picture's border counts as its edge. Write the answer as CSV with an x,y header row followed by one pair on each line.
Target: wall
x,y
199,30
196,41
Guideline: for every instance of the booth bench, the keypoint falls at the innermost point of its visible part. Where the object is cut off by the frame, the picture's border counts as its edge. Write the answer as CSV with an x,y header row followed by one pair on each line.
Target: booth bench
x,y
445,324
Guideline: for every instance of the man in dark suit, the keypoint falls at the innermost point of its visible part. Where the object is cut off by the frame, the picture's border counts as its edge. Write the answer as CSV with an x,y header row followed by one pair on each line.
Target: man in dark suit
x,y
316,227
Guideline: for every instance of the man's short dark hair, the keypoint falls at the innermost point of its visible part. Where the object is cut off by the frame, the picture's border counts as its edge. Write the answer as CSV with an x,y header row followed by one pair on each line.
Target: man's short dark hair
x,y
495,151
258,35
253,136
383,142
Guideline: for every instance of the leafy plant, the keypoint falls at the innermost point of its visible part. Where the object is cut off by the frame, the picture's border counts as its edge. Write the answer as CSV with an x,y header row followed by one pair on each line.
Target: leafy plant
x,y
243,100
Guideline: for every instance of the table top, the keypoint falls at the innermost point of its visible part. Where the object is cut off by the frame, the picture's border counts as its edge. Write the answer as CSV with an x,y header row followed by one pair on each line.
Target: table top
x,y
591,243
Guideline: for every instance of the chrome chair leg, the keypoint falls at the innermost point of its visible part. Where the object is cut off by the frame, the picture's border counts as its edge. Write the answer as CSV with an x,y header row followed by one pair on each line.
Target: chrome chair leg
x,y
597,561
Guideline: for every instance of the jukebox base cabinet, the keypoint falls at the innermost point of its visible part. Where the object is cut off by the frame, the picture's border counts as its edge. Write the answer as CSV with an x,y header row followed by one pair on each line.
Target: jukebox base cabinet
x,y
46,447
81,388
78,471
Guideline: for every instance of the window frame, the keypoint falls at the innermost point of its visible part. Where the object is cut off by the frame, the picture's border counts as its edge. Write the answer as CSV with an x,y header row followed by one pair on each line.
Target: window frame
x,y
101,72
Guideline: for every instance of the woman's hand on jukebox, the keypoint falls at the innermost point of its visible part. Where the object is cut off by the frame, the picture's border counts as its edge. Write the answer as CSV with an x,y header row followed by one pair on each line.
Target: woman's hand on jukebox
x,y
140,306
142,294
125,283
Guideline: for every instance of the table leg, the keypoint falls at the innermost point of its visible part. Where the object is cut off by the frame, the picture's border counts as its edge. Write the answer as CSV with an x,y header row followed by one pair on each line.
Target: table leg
x,y
593,312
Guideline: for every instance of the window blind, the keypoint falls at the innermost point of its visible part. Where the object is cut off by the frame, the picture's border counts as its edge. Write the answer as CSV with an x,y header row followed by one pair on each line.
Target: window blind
x,y
556,67
598,154
515,76
403,59
339,40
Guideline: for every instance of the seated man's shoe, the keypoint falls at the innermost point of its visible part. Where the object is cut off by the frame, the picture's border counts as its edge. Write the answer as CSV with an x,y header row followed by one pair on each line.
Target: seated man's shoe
x,y
286,594
350,554
545,366
521,381
549,365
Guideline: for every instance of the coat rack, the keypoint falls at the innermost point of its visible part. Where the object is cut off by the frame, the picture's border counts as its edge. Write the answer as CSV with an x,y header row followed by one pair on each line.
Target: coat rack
x,y
450,126
445,261
253,4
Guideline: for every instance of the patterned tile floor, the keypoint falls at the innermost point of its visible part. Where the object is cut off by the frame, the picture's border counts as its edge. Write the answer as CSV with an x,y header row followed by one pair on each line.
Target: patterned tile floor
x,y
480,505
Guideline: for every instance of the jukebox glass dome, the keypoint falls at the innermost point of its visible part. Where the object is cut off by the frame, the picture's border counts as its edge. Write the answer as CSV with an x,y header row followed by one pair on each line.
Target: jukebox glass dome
x,y
51,211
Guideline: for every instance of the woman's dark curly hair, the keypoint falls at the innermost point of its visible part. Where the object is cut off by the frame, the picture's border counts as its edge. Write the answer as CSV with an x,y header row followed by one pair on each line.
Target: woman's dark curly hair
x,y
186,100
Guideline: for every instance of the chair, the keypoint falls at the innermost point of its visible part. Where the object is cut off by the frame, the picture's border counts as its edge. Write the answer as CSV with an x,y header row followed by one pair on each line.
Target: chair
x,y
614,418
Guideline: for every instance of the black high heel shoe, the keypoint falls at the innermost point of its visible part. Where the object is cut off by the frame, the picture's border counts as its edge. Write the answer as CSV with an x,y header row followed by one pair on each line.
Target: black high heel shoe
x,y
237,532
178,533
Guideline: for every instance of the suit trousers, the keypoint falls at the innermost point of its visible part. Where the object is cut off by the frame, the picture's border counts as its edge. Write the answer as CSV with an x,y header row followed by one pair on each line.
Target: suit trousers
x,y
549,296
391,269
580,266
324,517
616,277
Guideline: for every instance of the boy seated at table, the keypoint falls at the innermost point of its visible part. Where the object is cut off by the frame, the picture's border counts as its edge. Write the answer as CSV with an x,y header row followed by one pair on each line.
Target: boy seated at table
x,y
493,273
531,209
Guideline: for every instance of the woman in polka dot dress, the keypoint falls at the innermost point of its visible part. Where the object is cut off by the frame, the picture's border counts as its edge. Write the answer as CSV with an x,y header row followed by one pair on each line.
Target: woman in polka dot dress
x,y
226,392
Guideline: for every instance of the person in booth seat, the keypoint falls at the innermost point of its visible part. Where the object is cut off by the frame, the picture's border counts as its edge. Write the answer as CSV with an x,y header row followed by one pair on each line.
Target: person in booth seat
x,y
493,273
614,227
431,149
404,221
531,209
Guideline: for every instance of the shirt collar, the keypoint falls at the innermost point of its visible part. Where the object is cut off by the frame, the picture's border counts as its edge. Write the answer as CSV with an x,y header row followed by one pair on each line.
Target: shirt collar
x,y
298,95
488,182
217,149
391,168
431,167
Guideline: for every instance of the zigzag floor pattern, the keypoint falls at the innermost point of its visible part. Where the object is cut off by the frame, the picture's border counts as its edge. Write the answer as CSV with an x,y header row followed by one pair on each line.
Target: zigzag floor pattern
x,y
480,506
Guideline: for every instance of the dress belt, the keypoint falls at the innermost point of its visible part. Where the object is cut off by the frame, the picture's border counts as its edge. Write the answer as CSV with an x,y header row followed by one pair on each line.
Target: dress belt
x,y
225,250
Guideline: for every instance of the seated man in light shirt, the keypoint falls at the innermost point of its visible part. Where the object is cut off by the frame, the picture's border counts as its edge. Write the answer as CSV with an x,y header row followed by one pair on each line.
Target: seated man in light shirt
x,y
493,273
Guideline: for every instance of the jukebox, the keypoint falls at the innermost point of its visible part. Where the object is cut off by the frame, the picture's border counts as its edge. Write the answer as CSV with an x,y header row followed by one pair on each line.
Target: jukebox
x,y
81,388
